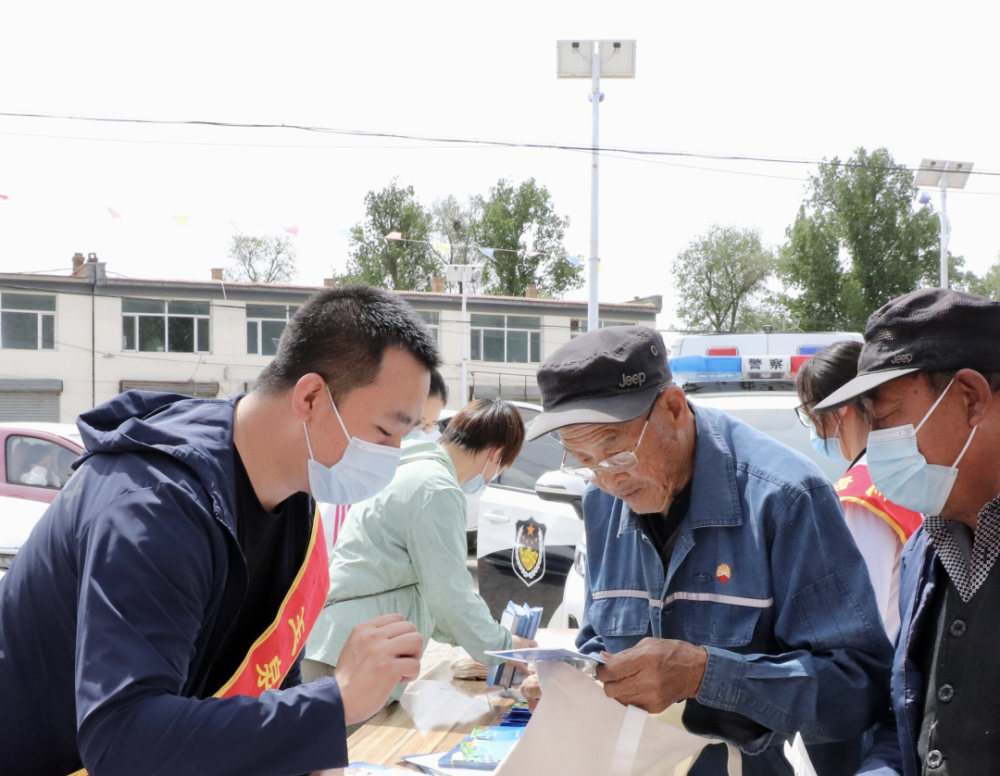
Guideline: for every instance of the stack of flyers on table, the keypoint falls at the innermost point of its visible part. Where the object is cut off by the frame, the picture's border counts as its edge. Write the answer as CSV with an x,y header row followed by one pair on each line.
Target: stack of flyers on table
x,y
518,716
522,621
483,750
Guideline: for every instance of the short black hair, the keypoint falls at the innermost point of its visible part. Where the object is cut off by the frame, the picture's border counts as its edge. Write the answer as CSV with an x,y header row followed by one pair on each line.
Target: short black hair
x,y
342,334
487,423
438,387
830,369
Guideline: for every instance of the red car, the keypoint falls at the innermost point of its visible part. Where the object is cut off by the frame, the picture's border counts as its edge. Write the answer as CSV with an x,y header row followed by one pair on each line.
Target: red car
x,y
35,458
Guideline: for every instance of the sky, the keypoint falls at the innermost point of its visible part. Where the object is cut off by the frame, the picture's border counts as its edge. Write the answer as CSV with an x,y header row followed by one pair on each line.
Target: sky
x,y
797,81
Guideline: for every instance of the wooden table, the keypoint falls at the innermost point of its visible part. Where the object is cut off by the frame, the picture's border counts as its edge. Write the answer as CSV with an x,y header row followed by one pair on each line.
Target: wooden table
x,y
435,713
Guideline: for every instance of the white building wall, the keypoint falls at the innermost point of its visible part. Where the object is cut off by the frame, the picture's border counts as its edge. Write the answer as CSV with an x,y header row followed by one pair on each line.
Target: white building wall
x,y
93,379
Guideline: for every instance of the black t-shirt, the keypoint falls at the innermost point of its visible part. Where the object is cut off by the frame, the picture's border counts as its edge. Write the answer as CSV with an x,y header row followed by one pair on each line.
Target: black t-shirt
x,y
274,545
662,530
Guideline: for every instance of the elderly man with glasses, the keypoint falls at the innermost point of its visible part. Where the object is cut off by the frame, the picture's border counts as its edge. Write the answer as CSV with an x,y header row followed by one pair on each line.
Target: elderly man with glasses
x,y
720,570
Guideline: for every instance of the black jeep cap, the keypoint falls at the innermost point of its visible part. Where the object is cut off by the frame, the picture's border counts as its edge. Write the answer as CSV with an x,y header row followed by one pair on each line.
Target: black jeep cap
x,y
611,375
933,329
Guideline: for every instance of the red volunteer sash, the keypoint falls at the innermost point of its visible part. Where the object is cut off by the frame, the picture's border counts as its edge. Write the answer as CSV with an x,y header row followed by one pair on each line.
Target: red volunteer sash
x,y
272,655
856,487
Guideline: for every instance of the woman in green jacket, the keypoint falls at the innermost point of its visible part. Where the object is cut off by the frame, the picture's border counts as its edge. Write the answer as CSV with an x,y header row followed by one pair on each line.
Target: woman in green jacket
x,y
404,550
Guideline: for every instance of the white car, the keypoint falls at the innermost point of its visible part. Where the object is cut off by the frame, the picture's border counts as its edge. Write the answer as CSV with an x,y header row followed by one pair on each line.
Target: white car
x,y
17,518
770,412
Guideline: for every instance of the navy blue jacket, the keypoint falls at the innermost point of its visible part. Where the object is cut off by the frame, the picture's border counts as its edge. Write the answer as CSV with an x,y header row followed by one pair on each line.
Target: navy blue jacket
x,y
895,749
766,576
121,596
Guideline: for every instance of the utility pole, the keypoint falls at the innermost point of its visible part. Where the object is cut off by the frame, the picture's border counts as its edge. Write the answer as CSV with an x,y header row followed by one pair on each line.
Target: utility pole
x,y
592,59
945,175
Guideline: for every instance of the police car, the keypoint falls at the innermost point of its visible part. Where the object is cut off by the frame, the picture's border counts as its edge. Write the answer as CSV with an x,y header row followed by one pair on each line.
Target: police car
x,y
757,389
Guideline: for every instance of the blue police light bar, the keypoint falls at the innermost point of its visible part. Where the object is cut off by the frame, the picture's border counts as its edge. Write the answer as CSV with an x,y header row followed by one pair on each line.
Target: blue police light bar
x,y
810,350
706,368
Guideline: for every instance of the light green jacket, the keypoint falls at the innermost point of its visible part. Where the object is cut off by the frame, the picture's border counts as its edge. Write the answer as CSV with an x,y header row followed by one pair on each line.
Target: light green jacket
x,y
404,551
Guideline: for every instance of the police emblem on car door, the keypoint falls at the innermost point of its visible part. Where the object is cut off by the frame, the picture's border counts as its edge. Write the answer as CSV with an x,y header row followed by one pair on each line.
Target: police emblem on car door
x,y
528,555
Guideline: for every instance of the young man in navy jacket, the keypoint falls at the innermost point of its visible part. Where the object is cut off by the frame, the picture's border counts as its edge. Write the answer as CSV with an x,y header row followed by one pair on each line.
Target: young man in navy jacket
x,y
175,548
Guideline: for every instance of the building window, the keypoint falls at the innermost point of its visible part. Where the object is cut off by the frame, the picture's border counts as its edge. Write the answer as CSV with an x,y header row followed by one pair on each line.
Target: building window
x,y
578,326
265,324
433,321
159,326
27,321
514,339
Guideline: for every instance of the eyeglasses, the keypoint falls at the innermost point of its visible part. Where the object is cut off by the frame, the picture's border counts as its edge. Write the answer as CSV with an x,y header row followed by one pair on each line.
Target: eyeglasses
x,y
804,417
616,464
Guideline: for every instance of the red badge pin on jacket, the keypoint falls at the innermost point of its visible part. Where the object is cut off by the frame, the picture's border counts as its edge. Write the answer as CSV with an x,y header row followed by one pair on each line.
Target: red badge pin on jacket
x,y
723,573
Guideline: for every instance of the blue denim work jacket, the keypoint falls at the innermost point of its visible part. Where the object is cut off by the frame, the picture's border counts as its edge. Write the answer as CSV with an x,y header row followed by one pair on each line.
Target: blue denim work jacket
x,y
766,576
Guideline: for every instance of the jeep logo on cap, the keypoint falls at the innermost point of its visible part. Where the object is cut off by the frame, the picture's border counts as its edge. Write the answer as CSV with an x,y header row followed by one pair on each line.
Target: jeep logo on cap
x,y
629,380
902,358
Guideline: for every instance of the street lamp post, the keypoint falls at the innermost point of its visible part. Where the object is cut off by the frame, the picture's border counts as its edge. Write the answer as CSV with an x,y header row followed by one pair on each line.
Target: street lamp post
x,y
592,59
945,175
464,274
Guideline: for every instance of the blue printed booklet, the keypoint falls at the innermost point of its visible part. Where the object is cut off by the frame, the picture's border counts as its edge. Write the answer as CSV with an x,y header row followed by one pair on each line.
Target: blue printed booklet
x,y
538,654
479,753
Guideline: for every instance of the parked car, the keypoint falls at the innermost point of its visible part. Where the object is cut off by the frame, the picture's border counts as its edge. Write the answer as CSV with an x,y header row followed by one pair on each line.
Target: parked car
x,y
35,459
17,517
770,412
763,343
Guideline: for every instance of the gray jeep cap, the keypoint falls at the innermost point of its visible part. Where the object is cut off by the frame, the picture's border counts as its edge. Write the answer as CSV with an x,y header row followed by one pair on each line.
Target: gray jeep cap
x,y
612,375
933,329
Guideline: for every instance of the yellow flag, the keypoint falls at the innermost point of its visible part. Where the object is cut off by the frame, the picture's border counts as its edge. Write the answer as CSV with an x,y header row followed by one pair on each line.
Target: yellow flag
x,y
600,267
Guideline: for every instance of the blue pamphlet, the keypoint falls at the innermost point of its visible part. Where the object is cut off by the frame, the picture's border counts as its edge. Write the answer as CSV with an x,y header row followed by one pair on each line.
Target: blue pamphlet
x,y
538,654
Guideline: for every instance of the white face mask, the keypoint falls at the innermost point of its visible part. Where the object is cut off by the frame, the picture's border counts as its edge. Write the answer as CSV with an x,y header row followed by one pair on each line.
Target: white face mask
x,y
363,470
478,484
901,472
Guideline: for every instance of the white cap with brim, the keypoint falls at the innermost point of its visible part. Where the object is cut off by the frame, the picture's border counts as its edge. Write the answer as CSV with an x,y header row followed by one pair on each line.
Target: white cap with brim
x,y
859,386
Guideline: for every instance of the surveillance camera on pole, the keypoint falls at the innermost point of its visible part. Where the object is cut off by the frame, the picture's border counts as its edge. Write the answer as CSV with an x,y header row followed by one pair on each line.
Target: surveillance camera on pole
x,y
593,59
945,175
464,274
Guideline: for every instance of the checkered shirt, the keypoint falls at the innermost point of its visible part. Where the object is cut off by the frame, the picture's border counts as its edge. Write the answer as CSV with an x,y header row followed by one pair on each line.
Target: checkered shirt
x,y
969,576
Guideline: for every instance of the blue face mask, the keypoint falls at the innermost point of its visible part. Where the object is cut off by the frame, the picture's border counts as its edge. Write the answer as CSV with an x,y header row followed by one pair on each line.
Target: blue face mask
x,y
478,484
903,475
364,469
828,448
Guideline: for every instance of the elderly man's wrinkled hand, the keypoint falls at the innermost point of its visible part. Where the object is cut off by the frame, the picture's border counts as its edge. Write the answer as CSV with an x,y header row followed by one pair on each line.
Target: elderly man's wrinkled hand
x,y
532,691
654,674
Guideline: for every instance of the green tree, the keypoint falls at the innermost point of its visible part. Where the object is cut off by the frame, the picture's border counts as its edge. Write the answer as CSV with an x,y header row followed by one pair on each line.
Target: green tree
x,y
455,225
267,259
721,279
398,265
523,221
857,242
988,284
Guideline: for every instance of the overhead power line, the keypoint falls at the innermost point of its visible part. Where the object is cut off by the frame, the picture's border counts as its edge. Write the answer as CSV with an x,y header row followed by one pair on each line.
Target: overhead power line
x,y
463,140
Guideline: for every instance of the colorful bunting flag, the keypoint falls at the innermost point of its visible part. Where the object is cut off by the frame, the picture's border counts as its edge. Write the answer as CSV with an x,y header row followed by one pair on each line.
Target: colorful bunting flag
x,y
114,213
345,232
236,226
292,230
576,261
4,196
394,236
444,248
487,252
532,254
181,220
